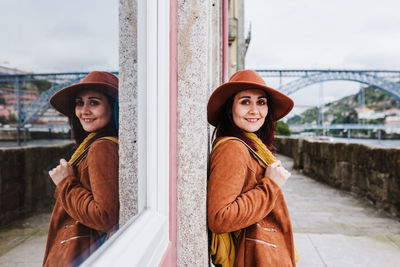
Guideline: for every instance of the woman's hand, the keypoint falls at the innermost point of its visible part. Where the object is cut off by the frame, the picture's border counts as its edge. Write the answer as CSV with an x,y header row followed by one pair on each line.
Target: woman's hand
x,y
277,173
61,171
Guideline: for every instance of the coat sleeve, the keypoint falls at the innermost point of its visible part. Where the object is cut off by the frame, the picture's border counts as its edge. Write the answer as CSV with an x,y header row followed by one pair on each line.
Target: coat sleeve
x,y
229,209
97,208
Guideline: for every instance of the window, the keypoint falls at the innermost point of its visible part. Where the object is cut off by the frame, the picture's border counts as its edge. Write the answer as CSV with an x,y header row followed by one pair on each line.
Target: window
x,y
143,240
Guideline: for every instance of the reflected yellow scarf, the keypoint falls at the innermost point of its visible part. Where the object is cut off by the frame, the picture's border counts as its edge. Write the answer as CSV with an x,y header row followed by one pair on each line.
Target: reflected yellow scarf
x,y
82,150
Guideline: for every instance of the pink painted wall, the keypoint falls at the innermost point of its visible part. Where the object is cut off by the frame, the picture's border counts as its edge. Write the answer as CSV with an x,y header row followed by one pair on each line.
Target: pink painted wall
x,y
170,256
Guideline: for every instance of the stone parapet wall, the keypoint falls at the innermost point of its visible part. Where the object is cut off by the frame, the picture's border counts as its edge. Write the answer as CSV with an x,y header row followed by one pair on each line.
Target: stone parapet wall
x,y
11,135
368,171
25,185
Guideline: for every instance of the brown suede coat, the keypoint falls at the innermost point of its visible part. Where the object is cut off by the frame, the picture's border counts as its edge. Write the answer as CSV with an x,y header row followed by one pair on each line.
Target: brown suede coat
x,y
87,205
240,197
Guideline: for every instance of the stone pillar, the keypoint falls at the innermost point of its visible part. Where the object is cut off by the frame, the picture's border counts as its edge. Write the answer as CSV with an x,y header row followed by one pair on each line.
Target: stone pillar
x,y
193,90
128,147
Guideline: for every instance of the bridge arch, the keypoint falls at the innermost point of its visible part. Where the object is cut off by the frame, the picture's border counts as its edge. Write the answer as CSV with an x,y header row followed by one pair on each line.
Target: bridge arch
x,y
386,86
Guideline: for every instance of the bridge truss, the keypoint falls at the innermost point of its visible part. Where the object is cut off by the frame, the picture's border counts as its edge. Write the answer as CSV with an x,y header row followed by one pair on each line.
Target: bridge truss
x,y
388,81
384,80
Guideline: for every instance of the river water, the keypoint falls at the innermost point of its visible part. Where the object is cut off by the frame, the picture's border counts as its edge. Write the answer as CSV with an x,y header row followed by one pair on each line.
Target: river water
x,y
373,142
370,142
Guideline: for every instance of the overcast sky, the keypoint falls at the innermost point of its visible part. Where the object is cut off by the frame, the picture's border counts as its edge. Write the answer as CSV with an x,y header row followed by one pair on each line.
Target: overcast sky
x,y
351,34
313,34
59,36
82,35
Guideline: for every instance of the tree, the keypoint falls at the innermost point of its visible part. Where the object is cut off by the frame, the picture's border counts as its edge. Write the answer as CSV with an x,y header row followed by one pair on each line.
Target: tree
x,y
12,118
3,120
296,119
282,128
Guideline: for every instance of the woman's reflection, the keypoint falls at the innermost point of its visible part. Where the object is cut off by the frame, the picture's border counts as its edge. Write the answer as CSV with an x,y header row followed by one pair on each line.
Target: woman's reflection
x,y
87,198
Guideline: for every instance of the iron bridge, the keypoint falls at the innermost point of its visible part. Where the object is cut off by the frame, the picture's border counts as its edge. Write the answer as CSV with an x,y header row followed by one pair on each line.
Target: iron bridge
x,y
385,80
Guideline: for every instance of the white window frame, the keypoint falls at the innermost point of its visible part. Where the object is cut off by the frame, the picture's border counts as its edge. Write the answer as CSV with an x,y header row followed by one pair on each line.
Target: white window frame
x,y
143,240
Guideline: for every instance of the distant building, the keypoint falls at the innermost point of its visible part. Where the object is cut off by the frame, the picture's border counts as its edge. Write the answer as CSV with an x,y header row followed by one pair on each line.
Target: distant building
x,y
10,96
392,112
53,117
392,120
9,100
369,114
238,39
392,117
4,111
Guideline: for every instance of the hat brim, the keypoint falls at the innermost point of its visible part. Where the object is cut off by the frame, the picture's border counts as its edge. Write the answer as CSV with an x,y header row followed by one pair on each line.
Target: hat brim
x,y
280,103
63,100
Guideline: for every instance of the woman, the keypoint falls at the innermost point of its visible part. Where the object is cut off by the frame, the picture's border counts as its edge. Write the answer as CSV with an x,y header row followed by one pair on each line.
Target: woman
x,y
87,201
245,181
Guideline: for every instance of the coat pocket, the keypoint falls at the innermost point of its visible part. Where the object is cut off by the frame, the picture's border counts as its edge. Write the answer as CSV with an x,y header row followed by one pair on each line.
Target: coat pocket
x,y
73,238
261,242
268,229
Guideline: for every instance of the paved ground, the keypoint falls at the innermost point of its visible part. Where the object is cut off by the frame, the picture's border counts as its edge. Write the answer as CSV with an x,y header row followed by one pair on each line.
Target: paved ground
x,y
23,243
332,228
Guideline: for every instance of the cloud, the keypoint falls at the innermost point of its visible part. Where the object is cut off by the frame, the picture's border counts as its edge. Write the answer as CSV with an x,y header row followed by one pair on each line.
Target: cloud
x,y
49,36
318,33
315,34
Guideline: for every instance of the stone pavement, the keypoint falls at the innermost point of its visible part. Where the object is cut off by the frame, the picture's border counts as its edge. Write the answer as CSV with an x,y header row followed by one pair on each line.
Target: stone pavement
x,y
22,244
335,229
332,228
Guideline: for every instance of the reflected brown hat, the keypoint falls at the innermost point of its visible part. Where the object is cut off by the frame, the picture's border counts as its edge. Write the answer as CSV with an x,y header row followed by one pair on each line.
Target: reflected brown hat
x,y
244,80
104,82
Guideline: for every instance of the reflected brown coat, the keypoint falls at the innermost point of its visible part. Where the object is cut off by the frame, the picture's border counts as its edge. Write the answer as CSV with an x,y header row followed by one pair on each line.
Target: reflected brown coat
x,y
240,197
86,206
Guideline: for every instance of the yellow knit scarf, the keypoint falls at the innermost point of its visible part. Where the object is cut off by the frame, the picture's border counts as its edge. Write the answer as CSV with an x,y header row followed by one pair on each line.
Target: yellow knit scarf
x,y
81,151
262,149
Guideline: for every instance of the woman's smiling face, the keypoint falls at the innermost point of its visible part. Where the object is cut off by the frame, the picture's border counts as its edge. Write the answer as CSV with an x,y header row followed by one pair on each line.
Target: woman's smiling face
x,y
93,110
250,109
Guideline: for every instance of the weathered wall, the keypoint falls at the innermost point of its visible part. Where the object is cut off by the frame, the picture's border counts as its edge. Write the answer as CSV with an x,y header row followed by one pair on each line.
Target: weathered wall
x,y
25,185
370,172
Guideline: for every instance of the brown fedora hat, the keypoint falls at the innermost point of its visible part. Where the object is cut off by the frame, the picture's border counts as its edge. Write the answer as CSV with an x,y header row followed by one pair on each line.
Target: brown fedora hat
x,y
104,82
244,80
